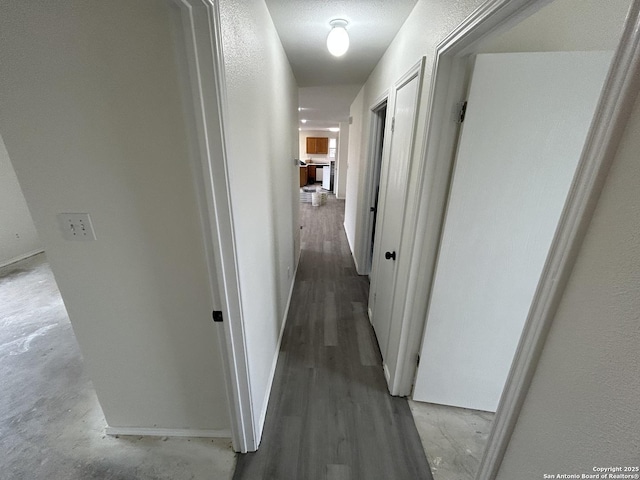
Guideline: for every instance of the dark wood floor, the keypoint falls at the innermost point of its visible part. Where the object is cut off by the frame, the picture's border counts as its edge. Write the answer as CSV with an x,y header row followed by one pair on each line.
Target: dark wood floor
x,y
330,415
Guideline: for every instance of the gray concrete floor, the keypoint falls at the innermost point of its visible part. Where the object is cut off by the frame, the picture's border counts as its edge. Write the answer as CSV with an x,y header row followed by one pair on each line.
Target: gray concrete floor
x,y
453,438
51,425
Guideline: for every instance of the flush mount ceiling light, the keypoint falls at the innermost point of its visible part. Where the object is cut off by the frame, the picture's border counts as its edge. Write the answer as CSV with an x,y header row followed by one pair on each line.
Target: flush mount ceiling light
x,y
338,38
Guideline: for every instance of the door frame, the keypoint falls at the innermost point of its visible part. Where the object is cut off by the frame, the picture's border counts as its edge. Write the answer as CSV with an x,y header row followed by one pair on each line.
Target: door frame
x,y
206,79
448,85
377,133
416,72
370,178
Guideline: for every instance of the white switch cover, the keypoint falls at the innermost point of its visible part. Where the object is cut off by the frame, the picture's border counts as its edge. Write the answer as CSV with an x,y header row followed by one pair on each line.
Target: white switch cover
x,y
76,226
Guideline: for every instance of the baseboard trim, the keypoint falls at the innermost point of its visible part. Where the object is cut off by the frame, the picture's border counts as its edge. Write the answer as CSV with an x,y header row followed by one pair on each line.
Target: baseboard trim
x,y
353,253
20,257
274,364
166,432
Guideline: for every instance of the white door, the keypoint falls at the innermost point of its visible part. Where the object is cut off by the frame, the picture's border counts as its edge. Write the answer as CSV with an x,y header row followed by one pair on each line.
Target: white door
x,y
526,123
393,190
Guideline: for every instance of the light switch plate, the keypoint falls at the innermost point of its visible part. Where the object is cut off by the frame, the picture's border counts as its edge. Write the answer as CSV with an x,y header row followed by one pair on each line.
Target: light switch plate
x,y
76,226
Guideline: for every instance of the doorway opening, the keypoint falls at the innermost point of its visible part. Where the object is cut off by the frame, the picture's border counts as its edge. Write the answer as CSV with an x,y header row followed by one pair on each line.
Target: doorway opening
x,y
502,212
378,128
40,361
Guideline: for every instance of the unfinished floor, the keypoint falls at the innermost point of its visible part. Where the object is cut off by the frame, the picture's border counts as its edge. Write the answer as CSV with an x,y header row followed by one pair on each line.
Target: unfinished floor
x,y
51,425
453,438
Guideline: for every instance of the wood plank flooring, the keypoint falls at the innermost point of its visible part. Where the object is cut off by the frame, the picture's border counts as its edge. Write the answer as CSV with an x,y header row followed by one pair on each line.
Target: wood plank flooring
x,y
330,415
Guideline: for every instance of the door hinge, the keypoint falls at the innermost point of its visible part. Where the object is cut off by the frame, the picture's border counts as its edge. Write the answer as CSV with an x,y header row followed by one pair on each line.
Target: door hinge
x,y
417,359
462,111
217,315
393,124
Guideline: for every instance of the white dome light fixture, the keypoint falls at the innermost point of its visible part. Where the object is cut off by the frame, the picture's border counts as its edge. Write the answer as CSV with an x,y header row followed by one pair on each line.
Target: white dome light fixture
x,y
338,38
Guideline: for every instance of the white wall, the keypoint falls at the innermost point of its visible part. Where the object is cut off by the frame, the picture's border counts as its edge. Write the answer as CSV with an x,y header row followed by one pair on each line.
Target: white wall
x,y
325,106
342,163
92,120
18,236
303,144
261,92
581,410
352,200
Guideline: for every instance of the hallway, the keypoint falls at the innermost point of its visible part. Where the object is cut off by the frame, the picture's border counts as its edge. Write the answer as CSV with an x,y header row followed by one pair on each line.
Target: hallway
x,y
330,415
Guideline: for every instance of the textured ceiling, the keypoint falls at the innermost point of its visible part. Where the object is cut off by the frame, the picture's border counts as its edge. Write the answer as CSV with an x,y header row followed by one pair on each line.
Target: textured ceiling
x,y
325,107
303,26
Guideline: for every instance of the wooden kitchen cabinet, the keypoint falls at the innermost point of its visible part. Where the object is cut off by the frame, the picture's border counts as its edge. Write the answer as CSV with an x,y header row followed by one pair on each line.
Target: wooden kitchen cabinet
x,y
312,174
318,145
322,145
312,144
303,176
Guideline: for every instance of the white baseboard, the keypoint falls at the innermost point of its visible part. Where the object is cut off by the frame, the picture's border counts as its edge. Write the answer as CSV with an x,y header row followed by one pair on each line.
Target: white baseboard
x,y
21,257
355,262
167,432
274,364
353,254
387,375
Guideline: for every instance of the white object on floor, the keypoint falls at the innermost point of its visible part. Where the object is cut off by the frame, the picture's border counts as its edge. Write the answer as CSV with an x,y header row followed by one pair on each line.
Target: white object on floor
x,y
306,191
318,198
